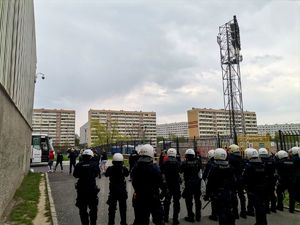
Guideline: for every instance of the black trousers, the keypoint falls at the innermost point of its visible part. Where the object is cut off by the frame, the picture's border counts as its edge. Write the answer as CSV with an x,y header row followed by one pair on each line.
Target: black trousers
x,y
85,202
72,164
59,163
193,192
143,207
112,201
224,207
175,194
259,202
281,188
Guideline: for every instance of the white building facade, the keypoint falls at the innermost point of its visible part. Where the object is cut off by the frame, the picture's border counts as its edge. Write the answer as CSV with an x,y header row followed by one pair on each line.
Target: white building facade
x,y
59,124
135,125
273,128
178,129
84,133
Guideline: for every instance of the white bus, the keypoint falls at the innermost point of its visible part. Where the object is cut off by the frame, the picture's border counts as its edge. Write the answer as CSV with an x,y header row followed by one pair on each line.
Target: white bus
x,y
40,146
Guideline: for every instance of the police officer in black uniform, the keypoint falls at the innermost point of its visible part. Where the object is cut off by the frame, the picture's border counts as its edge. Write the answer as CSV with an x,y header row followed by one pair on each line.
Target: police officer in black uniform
x,y
171,171
133,158
147,182
87,190
220,187
191,169
117,189
296,175
206,172
255,177
271,179
237,163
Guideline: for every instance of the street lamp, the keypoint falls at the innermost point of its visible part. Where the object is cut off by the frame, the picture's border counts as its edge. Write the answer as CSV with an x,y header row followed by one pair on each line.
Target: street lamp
x,y
37,74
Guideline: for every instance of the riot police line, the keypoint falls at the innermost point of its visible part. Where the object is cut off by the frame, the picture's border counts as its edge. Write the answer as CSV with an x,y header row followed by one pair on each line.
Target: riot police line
x,y
256,182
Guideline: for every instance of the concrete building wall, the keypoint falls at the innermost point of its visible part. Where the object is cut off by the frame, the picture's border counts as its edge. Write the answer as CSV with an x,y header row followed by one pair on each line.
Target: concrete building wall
x,y
17,74
273,128
179,129
84,133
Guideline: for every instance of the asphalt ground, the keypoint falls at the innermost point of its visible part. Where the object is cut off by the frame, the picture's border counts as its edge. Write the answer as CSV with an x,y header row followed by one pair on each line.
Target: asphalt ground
x,y
64,196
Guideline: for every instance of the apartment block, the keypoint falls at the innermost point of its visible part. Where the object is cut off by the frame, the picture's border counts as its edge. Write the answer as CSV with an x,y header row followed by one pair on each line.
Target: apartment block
x,y
84,133
59,124
204,122
273,128
135,125
178,129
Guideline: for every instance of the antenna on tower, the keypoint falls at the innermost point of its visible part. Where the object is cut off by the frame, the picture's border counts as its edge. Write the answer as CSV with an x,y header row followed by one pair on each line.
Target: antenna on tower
x,y
230,47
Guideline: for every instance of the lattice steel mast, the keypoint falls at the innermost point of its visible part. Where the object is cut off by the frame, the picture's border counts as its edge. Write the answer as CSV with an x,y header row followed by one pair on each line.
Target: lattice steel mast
x,y
230,46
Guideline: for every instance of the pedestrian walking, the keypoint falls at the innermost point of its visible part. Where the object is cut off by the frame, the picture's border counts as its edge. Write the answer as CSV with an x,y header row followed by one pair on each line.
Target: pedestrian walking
x,y
147,182
59,160
103,161
72,156
51,159
191,169
87,191
117,189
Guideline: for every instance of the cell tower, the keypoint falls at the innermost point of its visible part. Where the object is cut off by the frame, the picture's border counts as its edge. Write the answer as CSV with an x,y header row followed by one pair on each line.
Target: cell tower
x,y
230,46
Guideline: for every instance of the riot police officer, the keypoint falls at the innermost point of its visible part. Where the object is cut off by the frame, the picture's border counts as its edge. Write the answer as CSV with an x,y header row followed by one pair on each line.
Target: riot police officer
x,y
220,187
147,182
87,190
117,189
255,177
192,185
206,172
271,180
170,170
237,163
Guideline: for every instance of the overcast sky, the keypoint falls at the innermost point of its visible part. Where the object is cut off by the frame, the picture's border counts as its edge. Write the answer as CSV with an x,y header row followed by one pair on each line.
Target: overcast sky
x,y
163,56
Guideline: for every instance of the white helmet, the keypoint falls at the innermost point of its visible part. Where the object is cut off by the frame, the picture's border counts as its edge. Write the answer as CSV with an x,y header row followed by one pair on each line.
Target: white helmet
x,y
295,150
234,148
262,152
210,154
190,152
251,153
282,154
220,154
172,152
88,152
147,150
118,157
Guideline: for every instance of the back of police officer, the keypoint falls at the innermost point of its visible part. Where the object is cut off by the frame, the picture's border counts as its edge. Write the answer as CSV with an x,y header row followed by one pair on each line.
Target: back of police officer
x,y
296,177
170,170
147,182
237,163
87,190
117,189
191,169
220,187
255,177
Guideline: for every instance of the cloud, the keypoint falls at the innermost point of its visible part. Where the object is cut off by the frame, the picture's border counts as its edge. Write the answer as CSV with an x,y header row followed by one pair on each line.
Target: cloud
x,y
162,56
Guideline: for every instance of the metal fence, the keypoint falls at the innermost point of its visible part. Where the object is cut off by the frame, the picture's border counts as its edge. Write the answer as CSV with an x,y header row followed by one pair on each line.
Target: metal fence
x,y
288,139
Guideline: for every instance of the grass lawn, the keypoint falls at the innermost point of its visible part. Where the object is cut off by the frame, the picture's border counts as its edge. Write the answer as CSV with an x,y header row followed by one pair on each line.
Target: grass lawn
x,y
286,201
27,198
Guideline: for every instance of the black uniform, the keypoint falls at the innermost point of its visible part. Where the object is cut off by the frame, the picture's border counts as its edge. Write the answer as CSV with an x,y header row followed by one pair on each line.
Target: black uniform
x,y
192,190
271,183
72,156
206,172
171,169
147,181
237,164
285,170
133,158
59,160
87,190
221,189
296,179
117,191
255,177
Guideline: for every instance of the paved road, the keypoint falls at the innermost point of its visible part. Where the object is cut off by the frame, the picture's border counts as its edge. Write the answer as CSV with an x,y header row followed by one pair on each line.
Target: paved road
x,y
64,195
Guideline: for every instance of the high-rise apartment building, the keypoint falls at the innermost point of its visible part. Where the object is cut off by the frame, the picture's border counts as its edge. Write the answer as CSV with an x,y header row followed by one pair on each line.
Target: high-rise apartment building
x,y
59,124
84,134
135,125
178,129
210,122
17,74
273,128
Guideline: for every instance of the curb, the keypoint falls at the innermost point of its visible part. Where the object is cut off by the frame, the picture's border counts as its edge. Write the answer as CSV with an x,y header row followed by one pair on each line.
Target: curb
x,y
52,206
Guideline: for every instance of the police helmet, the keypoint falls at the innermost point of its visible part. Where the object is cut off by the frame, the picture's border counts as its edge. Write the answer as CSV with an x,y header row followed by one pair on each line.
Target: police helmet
x,y
251,153
88,152
210,154
295,150
190,152
146,150
263,153
220,154
234,148
172,152
118,157
282,154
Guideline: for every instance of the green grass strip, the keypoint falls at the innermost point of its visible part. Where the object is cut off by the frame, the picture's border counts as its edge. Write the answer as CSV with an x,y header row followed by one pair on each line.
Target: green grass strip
x,y
27,198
